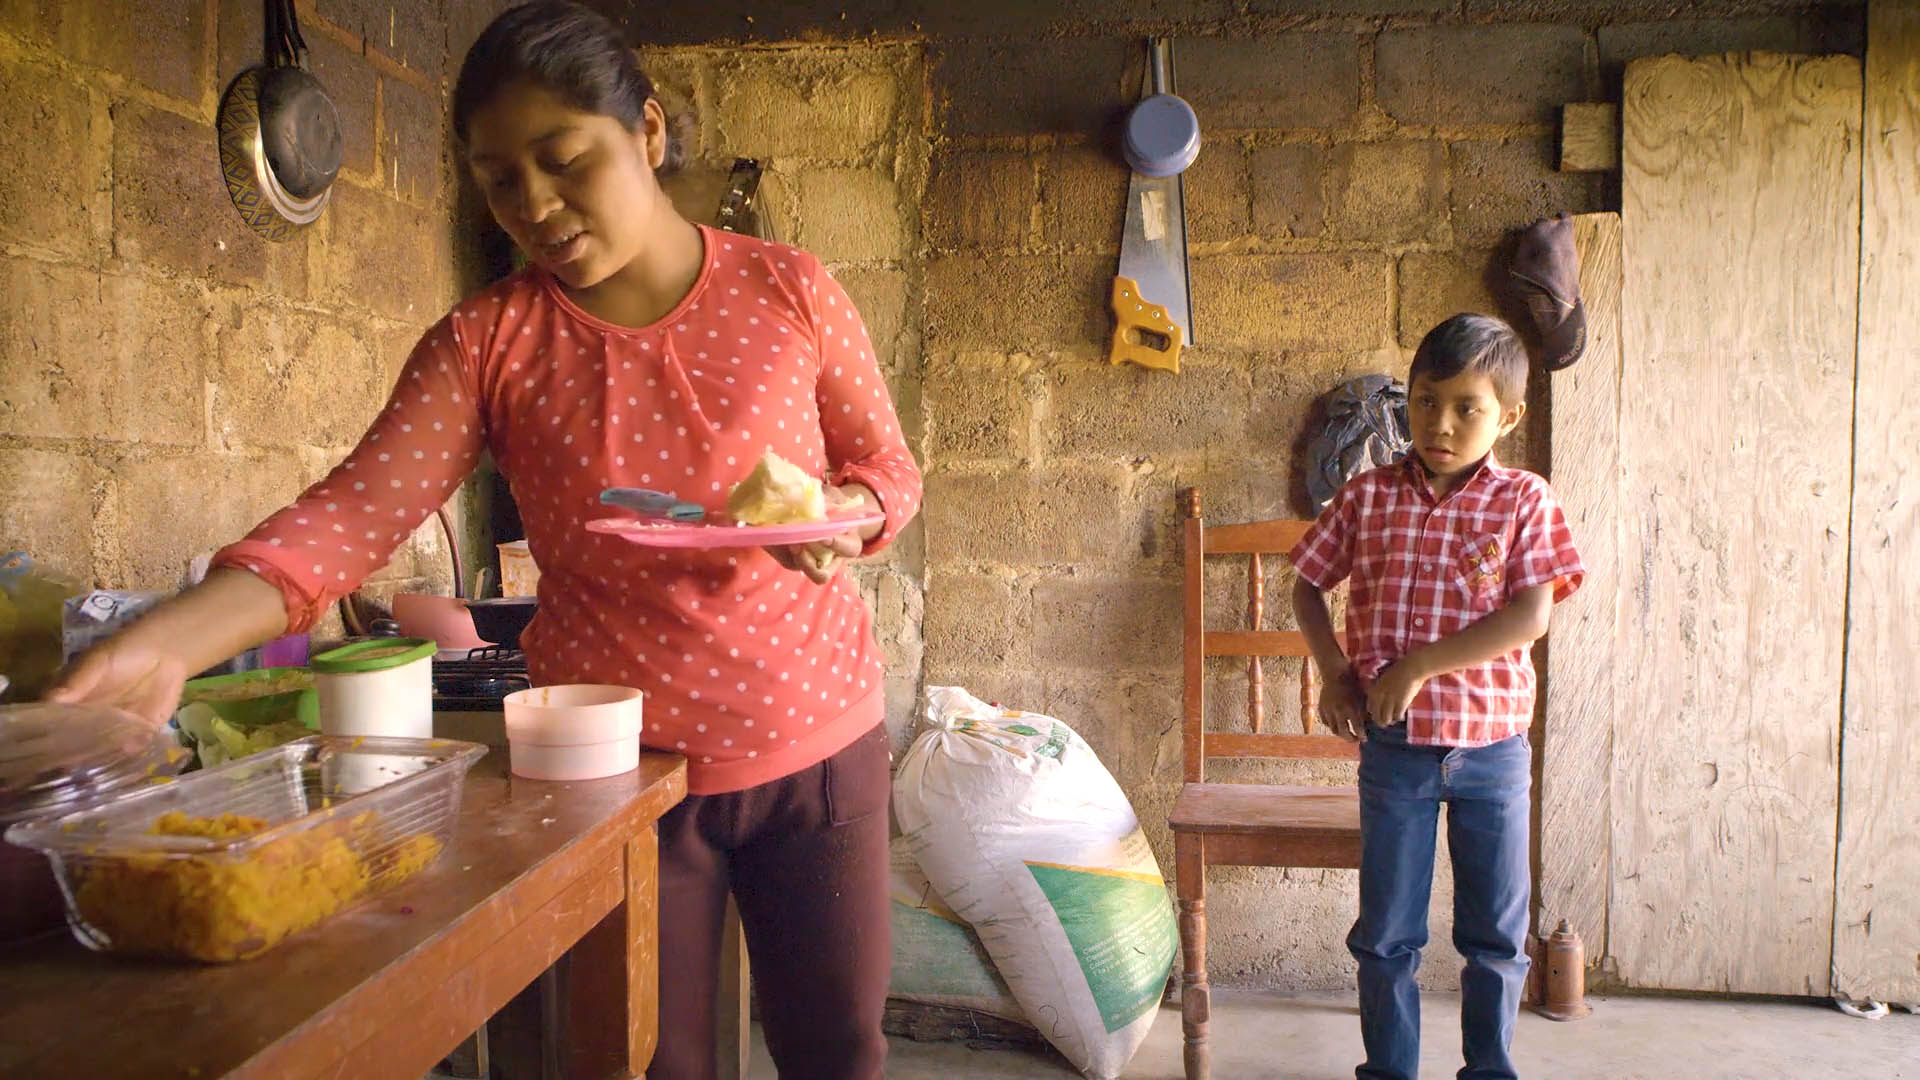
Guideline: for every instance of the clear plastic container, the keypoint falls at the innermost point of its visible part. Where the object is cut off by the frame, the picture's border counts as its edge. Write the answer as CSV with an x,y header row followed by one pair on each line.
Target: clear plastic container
x,y
225,863
58,758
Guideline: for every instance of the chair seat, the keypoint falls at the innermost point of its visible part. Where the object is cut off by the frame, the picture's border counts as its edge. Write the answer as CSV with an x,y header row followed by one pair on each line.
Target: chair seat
x,y
1333,812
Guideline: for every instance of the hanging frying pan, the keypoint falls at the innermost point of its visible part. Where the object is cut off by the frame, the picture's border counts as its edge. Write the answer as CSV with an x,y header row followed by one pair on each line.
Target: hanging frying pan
x,y
279,135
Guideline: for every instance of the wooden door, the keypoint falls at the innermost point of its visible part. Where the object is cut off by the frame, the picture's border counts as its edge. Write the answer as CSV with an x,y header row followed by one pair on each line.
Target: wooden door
x,y
1876,939
1582,671
1740,194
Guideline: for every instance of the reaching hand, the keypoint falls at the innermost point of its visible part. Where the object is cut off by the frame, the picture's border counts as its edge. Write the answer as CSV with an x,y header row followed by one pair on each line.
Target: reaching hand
x,y
127,673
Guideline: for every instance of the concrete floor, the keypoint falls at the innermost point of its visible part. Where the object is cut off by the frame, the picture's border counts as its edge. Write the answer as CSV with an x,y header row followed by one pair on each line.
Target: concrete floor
x,y
1260,1036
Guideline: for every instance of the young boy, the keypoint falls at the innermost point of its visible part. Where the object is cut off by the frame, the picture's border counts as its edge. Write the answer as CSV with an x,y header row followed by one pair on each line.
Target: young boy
x,y
1456,562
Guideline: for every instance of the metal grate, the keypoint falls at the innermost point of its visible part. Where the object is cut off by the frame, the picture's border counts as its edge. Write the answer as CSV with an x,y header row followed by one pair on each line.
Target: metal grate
x,y
478,681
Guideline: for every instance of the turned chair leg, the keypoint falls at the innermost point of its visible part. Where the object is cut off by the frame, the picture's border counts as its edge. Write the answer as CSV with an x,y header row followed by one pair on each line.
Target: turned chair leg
x,y
1195,1004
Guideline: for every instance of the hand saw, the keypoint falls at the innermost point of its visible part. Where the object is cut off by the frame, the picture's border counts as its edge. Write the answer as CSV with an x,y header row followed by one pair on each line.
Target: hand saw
x,y
1152,296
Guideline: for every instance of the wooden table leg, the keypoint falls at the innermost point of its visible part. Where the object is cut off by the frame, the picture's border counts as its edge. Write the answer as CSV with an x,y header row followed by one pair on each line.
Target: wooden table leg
x,y
613,998
643,950
733,1009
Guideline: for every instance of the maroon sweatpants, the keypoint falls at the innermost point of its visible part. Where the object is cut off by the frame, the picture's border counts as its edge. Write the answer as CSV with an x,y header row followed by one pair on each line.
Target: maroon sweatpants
x,y
806,859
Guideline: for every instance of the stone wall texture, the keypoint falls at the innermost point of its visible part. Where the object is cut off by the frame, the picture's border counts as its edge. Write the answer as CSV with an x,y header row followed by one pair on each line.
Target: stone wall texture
x,y
167,377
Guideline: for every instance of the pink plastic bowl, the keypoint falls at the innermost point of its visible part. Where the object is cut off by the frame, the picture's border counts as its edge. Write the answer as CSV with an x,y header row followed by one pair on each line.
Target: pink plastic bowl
x,y
573,732
440,619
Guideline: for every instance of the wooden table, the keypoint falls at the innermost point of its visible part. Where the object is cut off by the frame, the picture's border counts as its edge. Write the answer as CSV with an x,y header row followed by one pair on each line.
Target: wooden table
x,y
391,987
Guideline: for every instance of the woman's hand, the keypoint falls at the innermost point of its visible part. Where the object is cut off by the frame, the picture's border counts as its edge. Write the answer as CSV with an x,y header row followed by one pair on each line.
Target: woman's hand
x,y
142,668
819,560
126,672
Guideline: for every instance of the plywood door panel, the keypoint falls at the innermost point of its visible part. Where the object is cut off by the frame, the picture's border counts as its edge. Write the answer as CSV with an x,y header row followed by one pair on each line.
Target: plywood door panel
x,y
1576,740
1740,193
1876,945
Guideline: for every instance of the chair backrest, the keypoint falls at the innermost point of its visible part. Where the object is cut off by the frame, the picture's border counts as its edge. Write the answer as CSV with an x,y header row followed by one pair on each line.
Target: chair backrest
x,y
1256,540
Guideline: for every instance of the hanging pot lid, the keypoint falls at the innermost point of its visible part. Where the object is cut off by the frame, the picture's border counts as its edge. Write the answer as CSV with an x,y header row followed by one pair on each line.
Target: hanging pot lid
x,y
55,756
1163,136
280,141
1163,133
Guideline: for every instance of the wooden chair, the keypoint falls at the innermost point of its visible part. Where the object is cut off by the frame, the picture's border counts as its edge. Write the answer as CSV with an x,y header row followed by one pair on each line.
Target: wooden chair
x,y
1243,824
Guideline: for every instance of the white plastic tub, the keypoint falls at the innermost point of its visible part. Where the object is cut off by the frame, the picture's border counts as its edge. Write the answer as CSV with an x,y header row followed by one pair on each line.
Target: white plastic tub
x,y
382,687
573,732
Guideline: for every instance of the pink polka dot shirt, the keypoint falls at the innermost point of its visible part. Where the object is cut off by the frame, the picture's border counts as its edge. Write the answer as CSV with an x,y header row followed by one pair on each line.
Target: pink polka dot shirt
x,y
749,669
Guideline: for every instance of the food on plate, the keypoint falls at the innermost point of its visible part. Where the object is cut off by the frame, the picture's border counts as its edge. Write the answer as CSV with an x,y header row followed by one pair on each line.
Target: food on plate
x,y
777,492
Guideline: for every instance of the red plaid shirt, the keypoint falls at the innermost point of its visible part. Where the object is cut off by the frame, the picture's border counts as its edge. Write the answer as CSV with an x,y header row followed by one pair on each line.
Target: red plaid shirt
x,y
1423,568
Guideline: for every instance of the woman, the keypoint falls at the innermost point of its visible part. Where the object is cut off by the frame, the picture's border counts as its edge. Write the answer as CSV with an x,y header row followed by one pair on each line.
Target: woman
x,y
635,350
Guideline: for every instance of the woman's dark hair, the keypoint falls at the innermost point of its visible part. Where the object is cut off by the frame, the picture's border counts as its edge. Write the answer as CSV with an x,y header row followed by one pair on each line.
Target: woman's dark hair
x,y
1479,343
571,50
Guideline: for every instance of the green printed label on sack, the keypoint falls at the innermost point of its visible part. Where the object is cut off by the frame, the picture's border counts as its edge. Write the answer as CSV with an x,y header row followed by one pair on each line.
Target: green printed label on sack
x,y
996,733
1055,744
942,961
1122,931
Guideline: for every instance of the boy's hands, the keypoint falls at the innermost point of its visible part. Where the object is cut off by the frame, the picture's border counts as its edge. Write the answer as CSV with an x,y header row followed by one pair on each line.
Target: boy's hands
x,y
1343,708
1393,692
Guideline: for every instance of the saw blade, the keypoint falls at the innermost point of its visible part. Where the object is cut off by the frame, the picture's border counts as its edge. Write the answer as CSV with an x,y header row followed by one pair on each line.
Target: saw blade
x,y
1153,250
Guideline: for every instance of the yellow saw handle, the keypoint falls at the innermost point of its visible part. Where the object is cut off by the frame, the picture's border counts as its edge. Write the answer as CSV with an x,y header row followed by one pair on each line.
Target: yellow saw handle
x,y
1137,324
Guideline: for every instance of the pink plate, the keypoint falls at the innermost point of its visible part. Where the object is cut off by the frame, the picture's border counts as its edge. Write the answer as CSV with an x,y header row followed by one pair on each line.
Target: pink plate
x,y
652,532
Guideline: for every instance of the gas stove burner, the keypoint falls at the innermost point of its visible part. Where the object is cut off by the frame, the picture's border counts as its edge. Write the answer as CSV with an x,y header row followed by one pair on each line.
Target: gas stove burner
x,y
498,653
479,686
478,681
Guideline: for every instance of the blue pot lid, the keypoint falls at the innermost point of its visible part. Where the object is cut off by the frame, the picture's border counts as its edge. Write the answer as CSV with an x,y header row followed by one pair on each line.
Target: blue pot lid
x,y
1163,136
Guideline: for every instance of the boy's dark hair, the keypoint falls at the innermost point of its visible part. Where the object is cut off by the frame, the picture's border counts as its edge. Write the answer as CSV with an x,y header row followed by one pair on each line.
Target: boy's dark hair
x,y
1479,343
571,50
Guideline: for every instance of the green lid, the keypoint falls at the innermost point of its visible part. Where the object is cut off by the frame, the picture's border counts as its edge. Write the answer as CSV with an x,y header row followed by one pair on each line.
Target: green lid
x,y
260,696
376,655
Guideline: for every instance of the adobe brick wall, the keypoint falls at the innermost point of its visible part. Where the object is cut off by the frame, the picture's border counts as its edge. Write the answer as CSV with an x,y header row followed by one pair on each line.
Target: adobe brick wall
x,y
166,377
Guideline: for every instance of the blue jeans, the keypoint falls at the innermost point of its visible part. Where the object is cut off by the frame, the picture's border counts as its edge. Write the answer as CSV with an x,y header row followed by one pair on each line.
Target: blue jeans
x,y
1401,789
